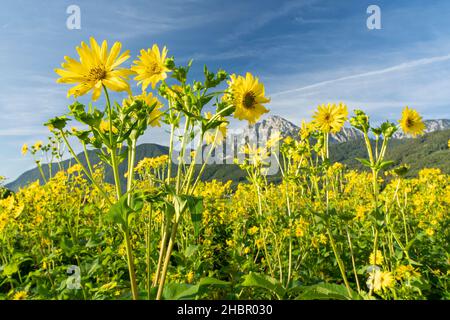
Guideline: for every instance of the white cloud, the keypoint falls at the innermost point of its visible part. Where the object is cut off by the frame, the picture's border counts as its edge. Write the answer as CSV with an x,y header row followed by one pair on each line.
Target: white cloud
x,y
260,20
400,67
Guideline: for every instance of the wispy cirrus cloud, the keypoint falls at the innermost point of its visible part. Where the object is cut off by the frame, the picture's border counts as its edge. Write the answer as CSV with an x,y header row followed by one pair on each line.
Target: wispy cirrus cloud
x,y
258,21
396,68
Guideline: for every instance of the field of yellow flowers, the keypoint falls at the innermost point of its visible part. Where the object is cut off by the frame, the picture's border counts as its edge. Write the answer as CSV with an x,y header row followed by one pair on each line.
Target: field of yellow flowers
x,y
323,232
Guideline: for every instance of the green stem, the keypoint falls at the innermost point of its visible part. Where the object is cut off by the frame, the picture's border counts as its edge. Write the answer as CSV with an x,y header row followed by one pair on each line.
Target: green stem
x,y
86,155
339,261
181,156
353,259
113,147
134,289
149,230
167,259
162,252
41,171
132,159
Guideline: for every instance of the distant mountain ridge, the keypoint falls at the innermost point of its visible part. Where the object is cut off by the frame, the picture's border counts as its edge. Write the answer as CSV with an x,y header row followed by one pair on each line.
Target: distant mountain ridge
x,y
428,150
286,128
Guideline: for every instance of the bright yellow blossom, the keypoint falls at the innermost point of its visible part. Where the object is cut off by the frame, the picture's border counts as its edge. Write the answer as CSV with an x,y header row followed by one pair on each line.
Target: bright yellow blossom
x,y
24,149
151,67
378,260
253,230
75,168
248,96
330,118
97,67
104,127
38,145
20,295
411,122
190,277
406,272
380,280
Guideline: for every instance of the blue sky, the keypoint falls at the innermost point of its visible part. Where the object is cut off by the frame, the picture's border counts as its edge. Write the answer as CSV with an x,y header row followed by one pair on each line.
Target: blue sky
x,y
305,51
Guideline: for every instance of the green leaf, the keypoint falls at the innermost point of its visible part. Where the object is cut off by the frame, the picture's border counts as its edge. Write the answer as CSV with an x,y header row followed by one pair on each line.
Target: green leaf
x,y
190,250
385,164
327,291
196,210
120,212
10,269
264,282
364,162
181,203
178,291
57,123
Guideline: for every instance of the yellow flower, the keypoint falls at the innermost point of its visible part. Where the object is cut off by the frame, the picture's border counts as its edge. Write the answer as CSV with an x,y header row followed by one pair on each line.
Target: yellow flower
x,y
190,277
411,122
39,218
256,154
306,129
20,295
259,242
248,97
150,100
104,127
331,117
253,230
406,272
380,280
360,213
231,243
299,231
38,145
273,140
74,168
122,250
323,239
247,250
151,67
24,149
210,136
378,260
429,232
97,67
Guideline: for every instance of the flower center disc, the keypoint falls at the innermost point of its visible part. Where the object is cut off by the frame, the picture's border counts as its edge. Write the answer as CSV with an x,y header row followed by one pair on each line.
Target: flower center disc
x,y
409,122
249,100
154,68
97,74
